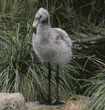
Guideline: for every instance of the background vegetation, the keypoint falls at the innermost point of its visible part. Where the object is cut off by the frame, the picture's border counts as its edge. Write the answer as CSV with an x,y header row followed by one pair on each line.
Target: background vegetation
x,y
21,70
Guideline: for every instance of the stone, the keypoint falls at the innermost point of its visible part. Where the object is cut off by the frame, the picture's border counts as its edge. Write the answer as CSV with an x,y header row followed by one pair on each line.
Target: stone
x,y
12,101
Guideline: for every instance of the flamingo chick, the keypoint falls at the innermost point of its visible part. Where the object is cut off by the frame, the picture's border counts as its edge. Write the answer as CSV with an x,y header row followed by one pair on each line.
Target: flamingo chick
x,y
51,45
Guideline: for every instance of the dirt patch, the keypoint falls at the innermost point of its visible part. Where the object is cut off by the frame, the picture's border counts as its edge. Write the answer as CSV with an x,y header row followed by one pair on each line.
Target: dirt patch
x,y
74,103
37,106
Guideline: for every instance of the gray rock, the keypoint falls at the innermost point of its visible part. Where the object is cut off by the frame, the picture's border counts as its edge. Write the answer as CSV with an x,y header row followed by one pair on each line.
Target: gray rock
x,y
12,101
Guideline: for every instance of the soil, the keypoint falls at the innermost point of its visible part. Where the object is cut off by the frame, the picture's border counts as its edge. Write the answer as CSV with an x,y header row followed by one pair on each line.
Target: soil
x,y
74,103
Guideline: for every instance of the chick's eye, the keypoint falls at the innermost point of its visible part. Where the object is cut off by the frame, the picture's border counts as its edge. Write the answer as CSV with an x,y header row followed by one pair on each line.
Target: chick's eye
x,y
40,16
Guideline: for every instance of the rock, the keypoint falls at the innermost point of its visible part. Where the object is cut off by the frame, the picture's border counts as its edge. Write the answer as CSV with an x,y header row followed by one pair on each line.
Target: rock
x,y
12,101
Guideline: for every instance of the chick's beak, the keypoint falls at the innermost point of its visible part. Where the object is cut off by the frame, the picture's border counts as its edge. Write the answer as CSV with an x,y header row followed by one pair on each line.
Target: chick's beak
x,y
35,24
